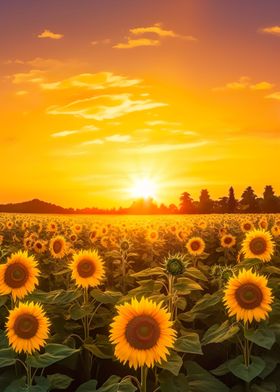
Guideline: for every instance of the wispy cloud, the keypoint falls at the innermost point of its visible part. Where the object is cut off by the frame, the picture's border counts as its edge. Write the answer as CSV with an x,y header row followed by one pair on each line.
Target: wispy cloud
x,y
275,95
158,30
86,128
112,138
274,30
244,82
105,107
152,36
135,43
49,34
97,81
168,147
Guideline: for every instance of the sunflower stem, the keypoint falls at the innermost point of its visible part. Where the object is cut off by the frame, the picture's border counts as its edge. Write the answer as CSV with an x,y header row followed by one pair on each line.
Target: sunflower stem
x,y
170,295
86,321
144,372
28,373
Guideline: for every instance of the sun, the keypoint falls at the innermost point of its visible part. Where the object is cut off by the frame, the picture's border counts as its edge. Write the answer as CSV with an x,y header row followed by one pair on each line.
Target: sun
x,y
143,188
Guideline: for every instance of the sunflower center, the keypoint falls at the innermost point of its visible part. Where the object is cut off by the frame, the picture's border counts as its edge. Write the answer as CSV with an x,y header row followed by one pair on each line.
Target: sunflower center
x,y
38,245
227,240
195,245
142,332
249,296
85,268
247,226
16,275
257,246
57,246
26,326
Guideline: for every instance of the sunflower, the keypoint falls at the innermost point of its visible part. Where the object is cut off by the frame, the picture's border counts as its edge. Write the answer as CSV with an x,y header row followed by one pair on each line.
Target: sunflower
x,y
246,226
1,239
263,224
258,244
52,227
275,230
19,275
9,224
27,327
87,268
39,246
247,296
77,228
228,241
152,235
142,332
73,237
195,246
93,236
58,247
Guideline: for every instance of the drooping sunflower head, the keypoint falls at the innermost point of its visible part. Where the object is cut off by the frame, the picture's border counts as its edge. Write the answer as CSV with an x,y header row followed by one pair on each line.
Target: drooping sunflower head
x,y
175,264
125,245
58,247
142,333
27,328
195,246
228,241
19,275
247,296
258,244
87,268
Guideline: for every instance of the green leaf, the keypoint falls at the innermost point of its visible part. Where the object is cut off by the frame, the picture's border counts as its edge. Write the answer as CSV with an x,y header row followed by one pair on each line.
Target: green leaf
x,y
89,386
240,370
264,387
106,297
59,381
196,273
96,351
7,357
55,297
199,380
263,337
171,383
188,343
219,333
203,307
173,364
184,285
148,272
53,353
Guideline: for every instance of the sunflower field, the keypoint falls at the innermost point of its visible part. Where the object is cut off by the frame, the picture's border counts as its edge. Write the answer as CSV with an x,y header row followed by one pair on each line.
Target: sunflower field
x,y
123,304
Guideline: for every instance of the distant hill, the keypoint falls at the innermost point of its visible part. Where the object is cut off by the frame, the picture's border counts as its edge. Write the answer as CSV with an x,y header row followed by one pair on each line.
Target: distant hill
x,y
35,206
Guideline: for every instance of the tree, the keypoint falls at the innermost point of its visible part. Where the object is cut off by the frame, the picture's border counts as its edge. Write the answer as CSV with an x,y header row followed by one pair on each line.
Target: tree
x,y
231,202
249,200
205,203
270,202
186,203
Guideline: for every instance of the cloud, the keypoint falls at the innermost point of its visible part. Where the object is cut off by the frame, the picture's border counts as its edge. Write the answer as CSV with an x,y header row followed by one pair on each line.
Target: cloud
x,y
275,95
274,30
135,43
86,128
243,83
104,107
153,31
97,81
49,34
159,148
162,122
160,32
94,141
63,133
105,41
262,86
118,138
33,76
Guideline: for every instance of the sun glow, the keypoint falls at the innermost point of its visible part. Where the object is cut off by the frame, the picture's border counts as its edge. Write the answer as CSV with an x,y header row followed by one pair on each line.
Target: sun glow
x,y
143,188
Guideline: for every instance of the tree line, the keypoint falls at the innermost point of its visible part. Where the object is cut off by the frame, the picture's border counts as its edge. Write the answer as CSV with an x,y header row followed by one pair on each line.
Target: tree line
x,y
248,203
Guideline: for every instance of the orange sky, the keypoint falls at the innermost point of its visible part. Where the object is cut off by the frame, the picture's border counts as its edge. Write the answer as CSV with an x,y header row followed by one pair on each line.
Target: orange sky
x,y
96,95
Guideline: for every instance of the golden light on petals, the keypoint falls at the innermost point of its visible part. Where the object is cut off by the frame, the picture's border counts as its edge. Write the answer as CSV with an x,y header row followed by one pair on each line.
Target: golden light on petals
x,y
27,328
19,275
87,268
195,246
258,244
247,296
142,333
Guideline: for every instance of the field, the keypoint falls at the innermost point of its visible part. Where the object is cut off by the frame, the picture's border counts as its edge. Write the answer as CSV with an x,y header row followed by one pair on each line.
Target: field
x,y
165,303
